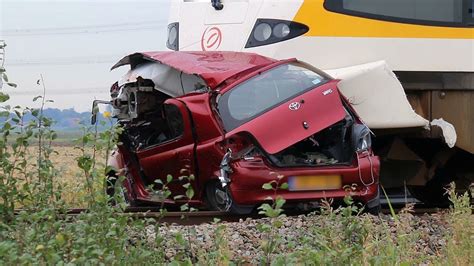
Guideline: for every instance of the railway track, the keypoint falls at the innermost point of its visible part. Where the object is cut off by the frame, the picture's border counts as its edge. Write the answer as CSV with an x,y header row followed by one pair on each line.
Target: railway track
x,y
200,217
183,218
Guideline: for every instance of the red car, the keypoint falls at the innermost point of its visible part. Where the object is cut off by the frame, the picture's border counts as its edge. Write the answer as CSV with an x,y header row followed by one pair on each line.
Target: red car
x,y
236,121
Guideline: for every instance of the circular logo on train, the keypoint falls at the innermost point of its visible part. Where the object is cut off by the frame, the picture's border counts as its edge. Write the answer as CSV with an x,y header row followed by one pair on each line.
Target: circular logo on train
x,y
211,39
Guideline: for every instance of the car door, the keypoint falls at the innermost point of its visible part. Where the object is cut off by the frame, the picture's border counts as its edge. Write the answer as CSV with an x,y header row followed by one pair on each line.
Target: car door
x,y
175,155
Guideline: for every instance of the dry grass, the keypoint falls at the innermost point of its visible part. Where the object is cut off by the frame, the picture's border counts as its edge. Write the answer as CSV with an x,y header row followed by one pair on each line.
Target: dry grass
x,y
70,177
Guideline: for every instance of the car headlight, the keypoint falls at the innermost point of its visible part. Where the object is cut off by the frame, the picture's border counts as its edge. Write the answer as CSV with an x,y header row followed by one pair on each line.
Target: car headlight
x,y
173,36
268,31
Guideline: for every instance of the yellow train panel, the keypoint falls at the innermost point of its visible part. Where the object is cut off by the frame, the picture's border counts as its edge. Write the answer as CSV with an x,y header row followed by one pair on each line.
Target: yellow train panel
x,y
324,23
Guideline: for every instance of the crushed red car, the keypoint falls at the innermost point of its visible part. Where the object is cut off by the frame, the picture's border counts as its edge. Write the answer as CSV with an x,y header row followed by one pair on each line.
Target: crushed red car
x,y
235,121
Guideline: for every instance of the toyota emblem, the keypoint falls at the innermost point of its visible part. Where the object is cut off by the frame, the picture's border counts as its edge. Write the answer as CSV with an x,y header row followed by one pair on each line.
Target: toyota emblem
x,y
294,106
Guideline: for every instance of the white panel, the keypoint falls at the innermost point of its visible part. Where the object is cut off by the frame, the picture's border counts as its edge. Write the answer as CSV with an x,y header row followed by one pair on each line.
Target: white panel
x,y
233,13
235,21
378,97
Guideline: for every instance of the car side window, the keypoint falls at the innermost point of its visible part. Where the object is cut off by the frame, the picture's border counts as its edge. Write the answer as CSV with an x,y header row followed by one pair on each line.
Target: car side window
x,y
175,121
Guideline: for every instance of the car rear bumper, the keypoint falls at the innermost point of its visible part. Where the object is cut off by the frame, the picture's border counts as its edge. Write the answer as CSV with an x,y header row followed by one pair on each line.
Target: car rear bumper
x,y
360,182
367,194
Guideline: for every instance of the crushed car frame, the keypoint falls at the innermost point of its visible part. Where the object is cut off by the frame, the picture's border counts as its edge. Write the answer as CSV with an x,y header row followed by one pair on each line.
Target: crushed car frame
x,y
236,121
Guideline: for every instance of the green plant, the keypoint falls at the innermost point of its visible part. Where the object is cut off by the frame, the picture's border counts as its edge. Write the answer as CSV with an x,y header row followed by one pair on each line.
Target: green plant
x,y
460,244
3,72
40,233
274,211
220,254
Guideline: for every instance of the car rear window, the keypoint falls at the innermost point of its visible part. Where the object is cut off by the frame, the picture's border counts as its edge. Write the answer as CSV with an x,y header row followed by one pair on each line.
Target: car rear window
x,y
266,91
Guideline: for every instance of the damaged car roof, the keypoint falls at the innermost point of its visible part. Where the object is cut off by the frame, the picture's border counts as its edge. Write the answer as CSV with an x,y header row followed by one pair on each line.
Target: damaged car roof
x,y
212,67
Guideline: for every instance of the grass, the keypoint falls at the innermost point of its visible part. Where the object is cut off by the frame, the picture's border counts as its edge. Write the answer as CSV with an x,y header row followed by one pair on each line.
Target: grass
x,y
460,246
70,178
67,138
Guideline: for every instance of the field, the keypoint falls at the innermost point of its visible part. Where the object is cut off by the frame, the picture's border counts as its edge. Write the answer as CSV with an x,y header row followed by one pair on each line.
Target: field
x,y
71,178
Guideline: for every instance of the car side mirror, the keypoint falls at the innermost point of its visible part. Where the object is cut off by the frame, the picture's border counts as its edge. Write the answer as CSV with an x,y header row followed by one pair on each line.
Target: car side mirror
x,y
95,109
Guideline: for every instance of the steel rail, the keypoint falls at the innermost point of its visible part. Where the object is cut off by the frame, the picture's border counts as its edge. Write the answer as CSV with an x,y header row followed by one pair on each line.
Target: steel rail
x,y
201,217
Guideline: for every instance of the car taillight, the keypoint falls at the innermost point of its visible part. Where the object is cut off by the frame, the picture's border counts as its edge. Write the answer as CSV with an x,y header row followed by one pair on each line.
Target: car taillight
x,y
173,36
268,31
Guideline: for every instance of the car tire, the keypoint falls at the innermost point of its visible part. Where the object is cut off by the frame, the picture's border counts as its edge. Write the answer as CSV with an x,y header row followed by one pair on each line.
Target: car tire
x,y
110,186
374,206
375,210
219,199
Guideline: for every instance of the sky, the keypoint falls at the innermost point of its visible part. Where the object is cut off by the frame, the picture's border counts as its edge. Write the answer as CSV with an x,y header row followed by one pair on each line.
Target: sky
x,y
73,44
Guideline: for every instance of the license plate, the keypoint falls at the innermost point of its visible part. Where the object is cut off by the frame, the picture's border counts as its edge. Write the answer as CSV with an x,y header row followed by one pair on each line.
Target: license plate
x,y
321,182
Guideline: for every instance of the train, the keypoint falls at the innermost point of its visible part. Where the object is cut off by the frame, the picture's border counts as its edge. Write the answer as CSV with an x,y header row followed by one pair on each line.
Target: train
x,y
421,53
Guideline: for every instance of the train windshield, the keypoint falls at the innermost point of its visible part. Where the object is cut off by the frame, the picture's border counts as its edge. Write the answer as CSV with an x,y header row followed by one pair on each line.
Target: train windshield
x,y
266,91
471,10
423,12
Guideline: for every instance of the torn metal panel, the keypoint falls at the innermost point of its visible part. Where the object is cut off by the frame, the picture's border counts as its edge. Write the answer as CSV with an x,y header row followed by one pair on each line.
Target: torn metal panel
x,y
457,108
377,95
448,131
166,79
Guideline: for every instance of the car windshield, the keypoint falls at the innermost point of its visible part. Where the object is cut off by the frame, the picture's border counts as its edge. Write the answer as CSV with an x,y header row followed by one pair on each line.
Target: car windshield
x,y
265,91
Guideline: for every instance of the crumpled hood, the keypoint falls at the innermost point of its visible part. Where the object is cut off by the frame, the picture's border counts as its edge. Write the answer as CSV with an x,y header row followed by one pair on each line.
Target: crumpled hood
x,y
282,126
212,67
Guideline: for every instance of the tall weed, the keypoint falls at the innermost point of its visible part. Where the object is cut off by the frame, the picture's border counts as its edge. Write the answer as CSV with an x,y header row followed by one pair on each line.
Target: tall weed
x,y
460,241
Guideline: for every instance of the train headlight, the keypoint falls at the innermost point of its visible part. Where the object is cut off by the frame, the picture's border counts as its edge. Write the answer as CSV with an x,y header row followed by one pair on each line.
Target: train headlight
x,y
268,31
262,32
173,36
281,30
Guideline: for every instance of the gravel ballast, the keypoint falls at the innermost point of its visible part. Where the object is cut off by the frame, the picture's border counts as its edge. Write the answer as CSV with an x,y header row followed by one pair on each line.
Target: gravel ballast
x,y
243,240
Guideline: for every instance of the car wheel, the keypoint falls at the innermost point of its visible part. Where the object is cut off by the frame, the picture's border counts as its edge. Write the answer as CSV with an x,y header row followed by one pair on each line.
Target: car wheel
x,y
110,190
374,206
219,199
375,210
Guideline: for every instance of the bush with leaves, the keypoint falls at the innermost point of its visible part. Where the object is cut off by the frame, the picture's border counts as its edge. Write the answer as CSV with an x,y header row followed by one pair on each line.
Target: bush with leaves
x,y
3,72
274,211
